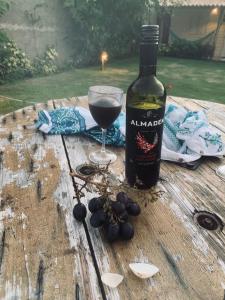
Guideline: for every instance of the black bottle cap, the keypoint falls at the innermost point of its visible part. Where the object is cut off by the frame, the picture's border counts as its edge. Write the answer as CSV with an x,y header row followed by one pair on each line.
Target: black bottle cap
x,y
150,34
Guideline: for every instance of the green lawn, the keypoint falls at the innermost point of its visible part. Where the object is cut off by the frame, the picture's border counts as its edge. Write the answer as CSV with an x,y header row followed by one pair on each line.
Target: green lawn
x,y
188,78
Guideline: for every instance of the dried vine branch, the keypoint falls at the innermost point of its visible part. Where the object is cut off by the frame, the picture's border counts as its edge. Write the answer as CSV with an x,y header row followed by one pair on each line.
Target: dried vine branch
x,y
106,184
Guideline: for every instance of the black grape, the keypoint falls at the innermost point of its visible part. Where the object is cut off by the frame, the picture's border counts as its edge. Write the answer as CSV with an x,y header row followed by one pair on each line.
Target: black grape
x,y
124,216
79,212
133,209
95,204
122,197
98,218
126,231
112,232
118,207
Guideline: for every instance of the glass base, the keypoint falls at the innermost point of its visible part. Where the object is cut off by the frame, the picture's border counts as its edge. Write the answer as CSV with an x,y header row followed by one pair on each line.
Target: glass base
x,y
220,171
102,158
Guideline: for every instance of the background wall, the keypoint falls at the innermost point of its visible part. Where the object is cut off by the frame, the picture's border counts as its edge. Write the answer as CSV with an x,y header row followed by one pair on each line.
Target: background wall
x,y
193,22
35,25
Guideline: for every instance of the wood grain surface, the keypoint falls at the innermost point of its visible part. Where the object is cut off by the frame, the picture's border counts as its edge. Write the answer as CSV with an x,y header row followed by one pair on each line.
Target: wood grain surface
x,y
46,254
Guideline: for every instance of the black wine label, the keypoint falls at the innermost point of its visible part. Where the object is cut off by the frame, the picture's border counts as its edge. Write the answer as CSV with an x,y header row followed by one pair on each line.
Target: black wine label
x,y
144,130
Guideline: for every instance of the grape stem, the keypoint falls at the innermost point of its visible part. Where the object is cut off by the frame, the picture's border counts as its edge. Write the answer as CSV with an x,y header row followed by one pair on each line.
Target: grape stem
x,y
89,181
101,186
107,186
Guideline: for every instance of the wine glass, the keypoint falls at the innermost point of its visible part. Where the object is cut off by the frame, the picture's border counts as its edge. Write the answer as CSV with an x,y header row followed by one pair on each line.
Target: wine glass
x,y
105,103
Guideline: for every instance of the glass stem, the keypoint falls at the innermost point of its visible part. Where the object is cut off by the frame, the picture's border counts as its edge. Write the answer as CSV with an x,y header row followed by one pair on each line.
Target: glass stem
x,y
103,140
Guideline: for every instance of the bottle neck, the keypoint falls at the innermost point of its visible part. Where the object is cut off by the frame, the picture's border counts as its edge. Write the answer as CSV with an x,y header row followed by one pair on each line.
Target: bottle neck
x,y
148,59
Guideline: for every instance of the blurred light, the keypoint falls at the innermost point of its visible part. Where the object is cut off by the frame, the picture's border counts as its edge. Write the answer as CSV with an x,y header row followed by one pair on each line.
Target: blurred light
x,y
104,58
215,11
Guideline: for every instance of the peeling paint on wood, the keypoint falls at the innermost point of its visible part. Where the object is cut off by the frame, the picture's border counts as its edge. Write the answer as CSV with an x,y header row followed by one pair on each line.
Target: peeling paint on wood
x,y
33,226
174,267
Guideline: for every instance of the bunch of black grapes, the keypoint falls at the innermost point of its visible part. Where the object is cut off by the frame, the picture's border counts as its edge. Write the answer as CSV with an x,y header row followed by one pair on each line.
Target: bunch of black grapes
x,y
111,215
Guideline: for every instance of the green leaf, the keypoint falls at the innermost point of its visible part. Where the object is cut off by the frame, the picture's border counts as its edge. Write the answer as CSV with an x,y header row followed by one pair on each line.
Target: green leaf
x,y
4,7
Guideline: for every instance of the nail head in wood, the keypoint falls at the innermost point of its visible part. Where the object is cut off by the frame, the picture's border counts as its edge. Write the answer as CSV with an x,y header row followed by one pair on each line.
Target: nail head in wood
x,y
208,221
10,137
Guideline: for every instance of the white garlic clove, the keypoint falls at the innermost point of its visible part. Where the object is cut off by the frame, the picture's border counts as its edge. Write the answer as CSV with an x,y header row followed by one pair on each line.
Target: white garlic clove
x,y
112,279
143,270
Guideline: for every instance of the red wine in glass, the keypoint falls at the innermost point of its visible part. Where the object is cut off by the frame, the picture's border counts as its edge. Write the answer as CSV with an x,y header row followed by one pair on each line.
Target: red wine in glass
x,y
105,111
105,103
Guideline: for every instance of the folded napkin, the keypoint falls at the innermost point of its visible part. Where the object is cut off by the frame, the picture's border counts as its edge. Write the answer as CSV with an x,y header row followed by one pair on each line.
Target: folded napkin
x,y
79,120
186,135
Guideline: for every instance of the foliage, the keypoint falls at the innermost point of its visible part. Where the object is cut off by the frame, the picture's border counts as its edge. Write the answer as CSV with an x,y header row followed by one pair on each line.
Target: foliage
x,y
159,8
179,47
13,62
46,64
110,25
186,49
15,65
190,49
164,50
3,37
4,6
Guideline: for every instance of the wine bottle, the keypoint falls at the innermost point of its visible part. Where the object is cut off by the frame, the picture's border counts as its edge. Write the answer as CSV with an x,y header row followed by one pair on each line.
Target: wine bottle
x,y
145,107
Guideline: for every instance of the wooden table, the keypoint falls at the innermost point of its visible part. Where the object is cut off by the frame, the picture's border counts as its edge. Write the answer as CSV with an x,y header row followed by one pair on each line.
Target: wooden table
x,y
46,254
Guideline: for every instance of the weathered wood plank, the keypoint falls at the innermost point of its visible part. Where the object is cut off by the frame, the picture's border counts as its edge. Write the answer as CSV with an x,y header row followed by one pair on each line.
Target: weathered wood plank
x,y
44,253
165,236
190,259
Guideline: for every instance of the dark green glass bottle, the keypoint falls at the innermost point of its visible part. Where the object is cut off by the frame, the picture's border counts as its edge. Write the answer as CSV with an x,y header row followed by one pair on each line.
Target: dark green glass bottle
x,y
145,107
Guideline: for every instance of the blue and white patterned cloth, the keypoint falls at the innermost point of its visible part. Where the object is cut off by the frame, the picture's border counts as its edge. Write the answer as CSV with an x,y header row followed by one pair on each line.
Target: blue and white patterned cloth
x,y
186,136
